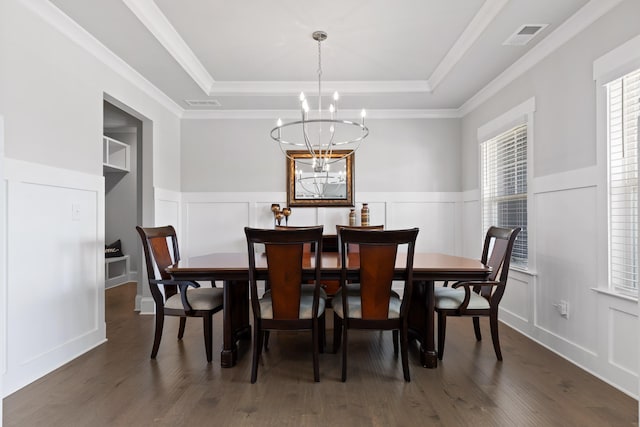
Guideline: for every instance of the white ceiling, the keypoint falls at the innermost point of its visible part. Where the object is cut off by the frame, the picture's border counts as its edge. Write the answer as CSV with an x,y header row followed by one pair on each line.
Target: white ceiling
x,y
258,55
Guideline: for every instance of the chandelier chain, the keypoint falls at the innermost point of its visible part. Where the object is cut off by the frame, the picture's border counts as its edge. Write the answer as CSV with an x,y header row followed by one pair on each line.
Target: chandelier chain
x,y
319,75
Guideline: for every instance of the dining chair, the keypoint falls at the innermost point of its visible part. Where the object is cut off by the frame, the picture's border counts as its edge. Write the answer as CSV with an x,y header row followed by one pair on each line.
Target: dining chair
x,y
289,303
369,302
177,297
479,298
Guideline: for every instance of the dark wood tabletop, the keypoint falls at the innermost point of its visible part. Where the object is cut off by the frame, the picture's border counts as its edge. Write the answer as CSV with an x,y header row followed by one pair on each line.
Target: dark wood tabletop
x,y
233,270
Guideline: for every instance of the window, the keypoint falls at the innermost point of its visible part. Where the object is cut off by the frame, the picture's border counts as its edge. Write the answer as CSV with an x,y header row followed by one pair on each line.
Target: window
x,y
623,109
504,186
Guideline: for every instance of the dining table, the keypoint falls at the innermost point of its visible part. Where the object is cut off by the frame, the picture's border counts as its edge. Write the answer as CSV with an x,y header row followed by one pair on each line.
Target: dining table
x,y
232,269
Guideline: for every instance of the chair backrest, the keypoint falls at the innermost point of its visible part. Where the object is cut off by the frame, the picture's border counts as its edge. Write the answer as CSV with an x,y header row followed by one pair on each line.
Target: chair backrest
x,y
356,227
376,258
496,253
285,256
160,246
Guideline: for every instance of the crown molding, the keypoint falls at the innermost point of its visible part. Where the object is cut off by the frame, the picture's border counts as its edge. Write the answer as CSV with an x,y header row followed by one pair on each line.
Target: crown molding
x,y
286,88
157,23
588,14
67,26
469,36
295,114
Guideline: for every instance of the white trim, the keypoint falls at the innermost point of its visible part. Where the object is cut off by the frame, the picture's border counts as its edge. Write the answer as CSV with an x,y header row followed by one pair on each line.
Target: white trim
x,y
345,114
3,270
608,292
516,115
588,14
522,113
58,20
485,15
567,358
569,180
618,62
157,23
286,88
471,195
610,66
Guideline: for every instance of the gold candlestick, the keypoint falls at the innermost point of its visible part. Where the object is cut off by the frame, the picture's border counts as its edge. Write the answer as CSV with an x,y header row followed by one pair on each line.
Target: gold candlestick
x,y
275,208
286,212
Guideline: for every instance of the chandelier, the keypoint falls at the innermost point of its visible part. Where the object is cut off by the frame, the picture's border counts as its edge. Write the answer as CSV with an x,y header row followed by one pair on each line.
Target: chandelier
x,y
322,134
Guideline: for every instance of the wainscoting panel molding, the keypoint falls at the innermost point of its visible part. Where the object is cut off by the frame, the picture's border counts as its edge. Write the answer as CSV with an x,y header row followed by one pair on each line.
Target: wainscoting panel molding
x,y
55,269
599,332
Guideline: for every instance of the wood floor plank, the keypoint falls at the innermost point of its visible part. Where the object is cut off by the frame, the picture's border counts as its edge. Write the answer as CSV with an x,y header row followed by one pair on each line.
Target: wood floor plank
x,y
117,384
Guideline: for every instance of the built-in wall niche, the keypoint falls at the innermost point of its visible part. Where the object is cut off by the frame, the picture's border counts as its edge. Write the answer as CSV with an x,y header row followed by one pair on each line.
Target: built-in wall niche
x,y
116,155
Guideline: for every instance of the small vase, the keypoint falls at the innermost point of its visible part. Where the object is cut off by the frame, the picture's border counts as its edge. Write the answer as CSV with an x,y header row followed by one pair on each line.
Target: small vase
x,y
352,218
364,215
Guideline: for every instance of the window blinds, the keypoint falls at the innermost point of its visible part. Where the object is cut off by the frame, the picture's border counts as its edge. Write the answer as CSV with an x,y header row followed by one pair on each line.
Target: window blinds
x,y
504,186
623,111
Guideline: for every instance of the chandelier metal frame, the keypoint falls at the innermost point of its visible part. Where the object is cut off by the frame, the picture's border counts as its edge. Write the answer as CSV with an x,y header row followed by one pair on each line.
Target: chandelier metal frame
x,y
321,152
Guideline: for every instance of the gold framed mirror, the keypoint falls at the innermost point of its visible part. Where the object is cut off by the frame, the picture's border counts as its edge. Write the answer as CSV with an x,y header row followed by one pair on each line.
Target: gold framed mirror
x,y
309,186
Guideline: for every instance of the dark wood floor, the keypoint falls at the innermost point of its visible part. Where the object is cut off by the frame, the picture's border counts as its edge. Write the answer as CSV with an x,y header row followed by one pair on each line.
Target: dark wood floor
x,y
117,384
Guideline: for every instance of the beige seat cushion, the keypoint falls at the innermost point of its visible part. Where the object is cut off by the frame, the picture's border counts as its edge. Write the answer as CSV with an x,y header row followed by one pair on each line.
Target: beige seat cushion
x,y
199,298
307,289
306,304
451,298
355,303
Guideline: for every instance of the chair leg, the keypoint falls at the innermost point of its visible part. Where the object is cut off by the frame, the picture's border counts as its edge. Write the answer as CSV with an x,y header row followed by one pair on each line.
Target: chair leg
x,y
322,332
337,332
266,340
344,354
442,327
395,342
257,349
315,336
158,334
493,321
183,322
404,344
476,328
207,323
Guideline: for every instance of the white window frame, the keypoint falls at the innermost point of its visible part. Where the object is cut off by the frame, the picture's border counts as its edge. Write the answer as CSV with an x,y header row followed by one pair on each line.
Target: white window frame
x,y
520,114
609,67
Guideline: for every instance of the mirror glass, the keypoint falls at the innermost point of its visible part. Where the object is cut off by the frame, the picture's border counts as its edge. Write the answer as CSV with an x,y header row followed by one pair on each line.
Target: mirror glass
x,y
313,185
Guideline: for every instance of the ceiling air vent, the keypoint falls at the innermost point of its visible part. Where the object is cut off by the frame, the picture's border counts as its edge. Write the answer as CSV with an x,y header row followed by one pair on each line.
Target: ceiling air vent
x,y
203,102
524,34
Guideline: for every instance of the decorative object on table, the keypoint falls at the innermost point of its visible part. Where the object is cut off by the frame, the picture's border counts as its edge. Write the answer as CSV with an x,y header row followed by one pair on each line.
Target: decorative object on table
x,y
113,250
352,218
286,212
275,208
364,215
323,135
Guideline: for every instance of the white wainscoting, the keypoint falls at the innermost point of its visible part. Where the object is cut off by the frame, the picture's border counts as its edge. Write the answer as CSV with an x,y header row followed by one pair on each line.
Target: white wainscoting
x,y
167,211
599,333
214,222
55,269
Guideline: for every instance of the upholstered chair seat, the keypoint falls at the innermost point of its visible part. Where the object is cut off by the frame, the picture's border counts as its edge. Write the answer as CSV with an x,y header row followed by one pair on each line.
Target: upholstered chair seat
x,y
452,298
479,298
199,299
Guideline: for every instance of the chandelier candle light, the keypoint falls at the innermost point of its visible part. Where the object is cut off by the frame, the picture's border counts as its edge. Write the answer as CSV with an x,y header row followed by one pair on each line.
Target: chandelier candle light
x,y
321,134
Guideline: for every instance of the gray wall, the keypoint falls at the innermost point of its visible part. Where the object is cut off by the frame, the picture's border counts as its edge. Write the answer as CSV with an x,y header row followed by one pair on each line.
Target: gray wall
x,y
563,85
51,93
410,155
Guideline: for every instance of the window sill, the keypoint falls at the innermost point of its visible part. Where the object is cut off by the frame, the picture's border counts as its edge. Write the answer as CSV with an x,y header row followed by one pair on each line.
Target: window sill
x,y
615,294
526,272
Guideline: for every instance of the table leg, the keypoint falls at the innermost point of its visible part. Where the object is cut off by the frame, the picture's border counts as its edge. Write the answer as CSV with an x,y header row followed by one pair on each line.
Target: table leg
x,y
235,320
421,321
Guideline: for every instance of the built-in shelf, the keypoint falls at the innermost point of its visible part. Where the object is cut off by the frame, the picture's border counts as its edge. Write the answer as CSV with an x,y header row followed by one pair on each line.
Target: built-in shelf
x,y
116,271
116,156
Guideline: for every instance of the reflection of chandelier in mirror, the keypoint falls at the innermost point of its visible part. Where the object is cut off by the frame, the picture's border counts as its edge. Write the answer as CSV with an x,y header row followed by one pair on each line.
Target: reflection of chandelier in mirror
x,y
327,183
320,136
